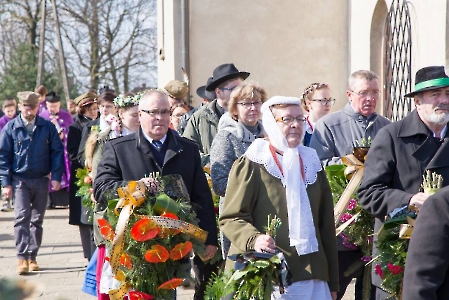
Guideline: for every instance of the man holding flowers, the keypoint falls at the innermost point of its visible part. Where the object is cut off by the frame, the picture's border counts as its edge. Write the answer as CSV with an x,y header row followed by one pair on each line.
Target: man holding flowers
x,y
402,152
334,137
155,148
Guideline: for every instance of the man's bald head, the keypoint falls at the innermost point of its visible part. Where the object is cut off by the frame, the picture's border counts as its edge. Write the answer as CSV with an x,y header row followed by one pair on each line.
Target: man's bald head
x,y
149,97
154,114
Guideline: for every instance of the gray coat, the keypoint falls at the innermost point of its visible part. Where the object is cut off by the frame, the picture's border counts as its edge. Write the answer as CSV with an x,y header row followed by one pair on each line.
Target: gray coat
x,y
335,134
231,142
399,156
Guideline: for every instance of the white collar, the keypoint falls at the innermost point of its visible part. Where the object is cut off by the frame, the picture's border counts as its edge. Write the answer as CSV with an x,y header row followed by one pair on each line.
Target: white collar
x,y
162,140
259,152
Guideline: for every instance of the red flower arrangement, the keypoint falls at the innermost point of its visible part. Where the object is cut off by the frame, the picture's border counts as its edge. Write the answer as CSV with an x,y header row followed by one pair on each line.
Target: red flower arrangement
x,y
144,230
161,229
379,271
395,269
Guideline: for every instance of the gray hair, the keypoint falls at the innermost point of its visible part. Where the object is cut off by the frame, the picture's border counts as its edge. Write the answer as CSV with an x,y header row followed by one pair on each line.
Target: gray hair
x,y
361,74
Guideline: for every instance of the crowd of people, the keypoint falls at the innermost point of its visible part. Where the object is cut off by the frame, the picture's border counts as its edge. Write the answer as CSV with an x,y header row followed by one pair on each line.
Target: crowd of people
x,y
266,158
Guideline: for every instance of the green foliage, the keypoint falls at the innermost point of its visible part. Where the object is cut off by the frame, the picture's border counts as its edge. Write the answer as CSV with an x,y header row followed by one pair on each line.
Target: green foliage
x,y
390,262
363,142
84,183
20,72
255,281
360,232
145,276
393,252
337,180
217,286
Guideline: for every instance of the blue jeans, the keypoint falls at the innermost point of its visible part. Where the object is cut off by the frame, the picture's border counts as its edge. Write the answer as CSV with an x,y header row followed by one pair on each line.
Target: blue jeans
x,y
30,202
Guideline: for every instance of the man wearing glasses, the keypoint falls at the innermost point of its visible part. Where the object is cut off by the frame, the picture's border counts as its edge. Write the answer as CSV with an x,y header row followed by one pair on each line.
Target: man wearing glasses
x,y
155,148
336,133
334,136
203,124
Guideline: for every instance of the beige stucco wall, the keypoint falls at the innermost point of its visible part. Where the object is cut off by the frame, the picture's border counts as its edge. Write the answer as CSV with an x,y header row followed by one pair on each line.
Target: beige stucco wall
x,y
284,45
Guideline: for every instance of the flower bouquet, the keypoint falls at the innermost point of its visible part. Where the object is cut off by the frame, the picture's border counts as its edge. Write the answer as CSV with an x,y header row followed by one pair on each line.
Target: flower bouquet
x,y
358,224
217,256
84,182
393,240
254,273
150,229
355,226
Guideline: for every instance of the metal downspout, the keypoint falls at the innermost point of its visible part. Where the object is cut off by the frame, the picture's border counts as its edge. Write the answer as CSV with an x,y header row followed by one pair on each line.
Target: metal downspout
x,y
185,40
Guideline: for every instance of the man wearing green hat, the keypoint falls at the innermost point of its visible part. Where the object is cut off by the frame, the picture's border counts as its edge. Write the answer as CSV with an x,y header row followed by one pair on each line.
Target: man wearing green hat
x,y
31,155
402,151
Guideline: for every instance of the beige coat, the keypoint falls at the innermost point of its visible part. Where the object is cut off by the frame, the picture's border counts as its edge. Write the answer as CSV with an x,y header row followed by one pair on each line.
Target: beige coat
x,y
253,194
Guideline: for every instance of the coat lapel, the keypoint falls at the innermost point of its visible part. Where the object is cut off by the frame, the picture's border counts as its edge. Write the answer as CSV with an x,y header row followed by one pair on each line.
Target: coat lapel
x,y
414,128
441,157
173,146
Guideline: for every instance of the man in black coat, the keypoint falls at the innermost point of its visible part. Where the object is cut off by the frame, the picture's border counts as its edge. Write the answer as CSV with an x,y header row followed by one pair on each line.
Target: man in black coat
x,y
427,268
402,151
154,148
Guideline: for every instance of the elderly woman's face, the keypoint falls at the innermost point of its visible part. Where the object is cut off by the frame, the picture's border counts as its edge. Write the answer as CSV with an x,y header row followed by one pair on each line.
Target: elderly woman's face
x,y
248,111
290,121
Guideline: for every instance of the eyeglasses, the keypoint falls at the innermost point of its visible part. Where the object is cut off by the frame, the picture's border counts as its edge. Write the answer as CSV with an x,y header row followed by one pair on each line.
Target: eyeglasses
x,y
248,105
290,120
228,89
157,112
325,101
177,116
365,94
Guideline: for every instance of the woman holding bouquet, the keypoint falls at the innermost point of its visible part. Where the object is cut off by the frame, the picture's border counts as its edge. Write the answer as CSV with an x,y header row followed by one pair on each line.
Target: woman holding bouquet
x,y
264,182
87,111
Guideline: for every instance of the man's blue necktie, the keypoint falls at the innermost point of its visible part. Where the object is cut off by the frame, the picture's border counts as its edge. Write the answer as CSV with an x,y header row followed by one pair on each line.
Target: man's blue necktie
x,y
157,144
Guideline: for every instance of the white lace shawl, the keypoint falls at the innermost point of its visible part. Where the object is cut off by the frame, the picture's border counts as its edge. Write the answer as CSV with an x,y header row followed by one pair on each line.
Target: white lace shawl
x,y
301,227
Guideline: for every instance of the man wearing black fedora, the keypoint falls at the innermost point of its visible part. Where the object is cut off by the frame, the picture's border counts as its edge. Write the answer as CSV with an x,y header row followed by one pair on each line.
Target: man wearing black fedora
x,y
402,151
203,124
206,97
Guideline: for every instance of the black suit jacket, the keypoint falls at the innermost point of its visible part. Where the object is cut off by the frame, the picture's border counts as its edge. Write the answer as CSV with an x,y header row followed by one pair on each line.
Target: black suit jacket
x,y
73,141
395,164
85,134
427,268
130,158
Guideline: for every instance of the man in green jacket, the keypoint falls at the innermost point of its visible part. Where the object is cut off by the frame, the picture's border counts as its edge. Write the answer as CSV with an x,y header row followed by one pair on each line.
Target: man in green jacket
x,y
203,125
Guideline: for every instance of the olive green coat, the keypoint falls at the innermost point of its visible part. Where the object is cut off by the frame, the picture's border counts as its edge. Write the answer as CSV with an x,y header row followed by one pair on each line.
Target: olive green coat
x,y
253,194
202,128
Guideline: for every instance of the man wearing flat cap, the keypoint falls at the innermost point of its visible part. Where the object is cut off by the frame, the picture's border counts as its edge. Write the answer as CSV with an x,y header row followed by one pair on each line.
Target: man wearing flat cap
x,y
203,124
62,120
177,92
404,150
31,154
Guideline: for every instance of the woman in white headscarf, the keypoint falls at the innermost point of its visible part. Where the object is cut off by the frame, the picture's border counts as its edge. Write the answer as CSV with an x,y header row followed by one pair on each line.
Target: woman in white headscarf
x,y
279,176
